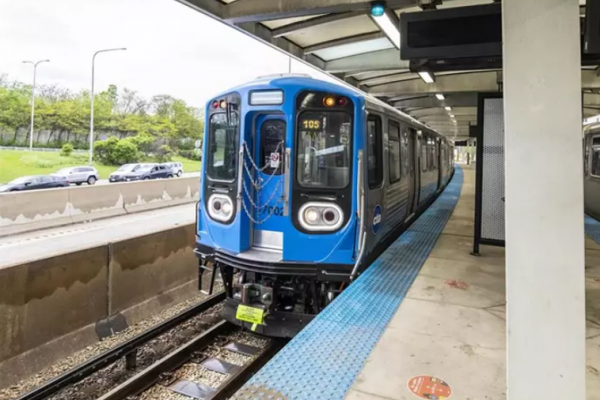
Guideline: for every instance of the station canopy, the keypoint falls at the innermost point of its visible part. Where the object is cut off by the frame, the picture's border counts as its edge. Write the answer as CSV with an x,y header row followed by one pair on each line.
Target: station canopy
x,y
343,38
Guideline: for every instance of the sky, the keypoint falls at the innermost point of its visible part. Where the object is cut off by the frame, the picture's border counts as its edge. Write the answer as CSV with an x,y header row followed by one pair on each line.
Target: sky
x,y
171,49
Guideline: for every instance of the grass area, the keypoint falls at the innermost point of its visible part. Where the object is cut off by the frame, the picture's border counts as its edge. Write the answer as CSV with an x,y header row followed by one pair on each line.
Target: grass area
x,y
16,163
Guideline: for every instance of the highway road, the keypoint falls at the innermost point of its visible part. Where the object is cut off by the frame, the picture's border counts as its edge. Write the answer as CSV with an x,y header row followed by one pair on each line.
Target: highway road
x,y
106,182
185,175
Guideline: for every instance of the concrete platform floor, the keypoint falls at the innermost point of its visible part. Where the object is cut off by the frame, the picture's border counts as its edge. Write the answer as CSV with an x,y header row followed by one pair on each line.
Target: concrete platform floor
x,y
31,246
451,324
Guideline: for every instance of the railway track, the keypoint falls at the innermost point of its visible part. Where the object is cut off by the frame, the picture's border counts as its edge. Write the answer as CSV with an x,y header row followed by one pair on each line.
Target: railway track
x,y
168,375
127,350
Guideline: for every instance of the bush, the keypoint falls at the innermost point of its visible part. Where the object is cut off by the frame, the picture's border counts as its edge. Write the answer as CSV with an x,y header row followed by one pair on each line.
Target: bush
x,y
191,154
115,152
186,145
67,149
164,154
125,152
104,149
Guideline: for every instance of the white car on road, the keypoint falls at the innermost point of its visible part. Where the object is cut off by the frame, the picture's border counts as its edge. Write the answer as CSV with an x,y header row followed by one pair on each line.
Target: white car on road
x,y
78,175
177,167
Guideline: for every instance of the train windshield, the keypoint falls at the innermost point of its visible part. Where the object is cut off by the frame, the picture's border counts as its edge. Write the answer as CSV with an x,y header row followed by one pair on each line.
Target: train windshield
x,y
324,149
222,145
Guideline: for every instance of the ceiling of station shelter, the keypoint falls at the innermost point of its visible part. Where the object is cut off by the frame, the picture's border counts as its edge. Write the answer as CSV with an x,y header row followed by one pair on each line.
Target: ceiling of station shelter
x,y
341,37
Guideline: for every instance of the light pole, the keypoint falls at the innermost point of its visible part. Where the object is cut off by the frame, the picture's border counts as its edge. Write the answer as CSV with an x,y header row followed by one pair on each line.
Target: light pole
x,y
92,106
35,64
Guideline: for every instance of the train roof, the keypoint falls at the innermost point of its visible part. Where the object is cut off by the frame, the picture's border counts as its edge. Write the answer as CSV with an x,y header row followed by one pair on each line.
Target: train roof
x,y
591,129
309,82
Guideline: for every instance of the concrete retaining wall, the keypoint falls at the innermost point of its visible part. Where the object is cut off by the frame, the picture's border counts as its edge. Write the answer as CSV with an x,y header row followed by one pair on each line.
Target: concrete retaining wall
x,y
51,308
28,211
154,263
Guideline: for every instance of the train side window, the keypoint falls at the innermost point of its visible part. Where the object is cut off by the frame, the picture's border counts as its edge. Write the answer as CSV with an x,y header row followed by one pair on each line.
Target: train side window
x,y
596,162
592,147
430,152
442,153
394,153
586,157
423,146
374,151
428,161
404,153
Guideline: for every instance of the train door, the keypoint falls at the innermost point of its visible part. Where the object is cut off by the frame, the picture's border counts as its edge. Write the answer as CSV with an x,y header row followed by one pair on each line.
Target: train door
x,y
374,185
268,186
413,181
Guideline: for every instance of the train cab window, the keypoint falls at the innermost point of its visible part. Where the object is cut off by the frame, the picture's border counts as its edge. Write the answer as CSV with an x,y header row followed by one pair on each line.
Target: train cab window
x,y
374,151
394,153
324,149
223,146
272,137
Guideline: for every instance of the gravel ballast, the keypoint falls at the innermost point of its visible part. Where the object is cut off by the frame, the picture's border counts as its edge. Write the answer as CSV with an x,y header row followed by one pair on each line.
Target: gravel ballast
x,y
196,373
90,387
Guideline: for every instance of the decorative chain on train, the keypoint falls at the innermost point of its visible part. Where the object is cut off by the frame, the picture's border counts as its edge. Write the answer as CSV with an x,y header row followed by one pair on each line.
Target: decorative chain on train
x,y
258,184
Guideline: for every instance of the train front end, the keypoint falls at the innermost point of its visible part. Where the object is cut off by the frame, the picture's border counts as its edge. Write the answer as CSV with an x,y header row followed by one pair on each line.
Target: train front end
x,y
278,205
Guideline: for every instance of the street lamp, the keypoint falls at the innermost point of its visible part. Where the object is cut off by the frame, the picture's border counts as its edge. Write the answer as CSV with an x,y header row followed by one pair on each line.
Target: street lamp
x,y
92,106
35,64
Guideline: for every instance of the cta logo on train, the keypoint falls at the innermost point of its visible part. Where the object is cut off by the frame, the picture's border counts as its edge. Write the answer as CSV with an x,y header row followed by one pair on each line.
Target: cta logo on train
x,y
304,184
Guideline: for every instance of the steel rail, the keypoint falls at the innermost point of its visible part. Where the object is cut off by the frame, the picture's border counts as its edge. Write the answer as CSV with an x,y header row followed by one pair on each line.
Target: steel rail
x,y
110,356
235,381
148,377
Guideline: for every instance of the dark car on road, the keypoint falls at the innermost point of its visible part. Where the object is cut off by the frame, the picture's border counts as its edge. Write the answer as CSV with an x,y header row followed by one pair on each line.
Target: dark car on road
x,y
33,183
150,171
124,171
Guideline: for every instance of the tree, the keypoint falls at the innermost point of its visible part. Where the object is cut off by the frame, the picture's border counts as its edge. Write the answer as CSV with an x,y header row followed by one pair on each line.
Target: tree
x,y
131,103
14,107
161,105
164,120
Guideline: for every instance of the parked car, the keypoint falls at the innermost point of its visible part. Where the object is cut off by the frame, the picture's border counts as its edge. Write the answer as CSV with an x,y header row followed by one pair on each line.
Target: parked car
x,y
125,170
34,182
177,167
147,171
78,175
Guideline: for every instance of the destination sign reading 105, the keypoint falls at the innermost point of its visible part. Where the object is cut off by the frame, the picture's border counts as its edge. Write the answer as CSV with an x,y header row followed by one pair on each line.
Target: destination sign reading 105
x,y
313,124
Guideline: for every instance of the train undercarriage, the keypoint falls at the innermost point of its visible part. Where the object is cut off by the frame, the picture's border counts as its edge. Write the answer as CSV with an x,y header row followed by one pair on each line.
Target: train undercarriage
x,y
271,304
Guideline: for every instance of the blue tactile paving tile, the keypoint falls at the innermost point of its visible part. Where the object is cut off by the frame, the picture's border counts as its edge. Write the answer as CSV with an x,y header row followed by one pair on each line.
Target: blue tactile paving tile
x,y
592,228
322,361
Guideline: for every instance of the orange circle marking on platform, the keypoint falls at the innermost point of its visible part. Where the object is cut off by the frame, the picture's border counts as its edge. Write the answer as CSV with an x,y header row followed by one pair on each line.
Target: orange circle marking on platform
x,y
429,387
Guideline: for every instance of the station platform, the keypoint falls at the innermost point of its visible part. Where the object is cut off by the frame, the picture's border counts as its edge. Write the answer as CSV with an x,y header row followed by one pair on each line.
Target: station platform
x,y
37,245
426,320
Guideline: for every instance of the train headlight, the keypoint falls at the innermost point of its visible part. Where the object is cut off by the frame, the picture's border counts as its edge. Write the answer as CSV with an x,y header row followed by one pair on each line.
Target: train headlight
x,y
320,216
311,215
220,207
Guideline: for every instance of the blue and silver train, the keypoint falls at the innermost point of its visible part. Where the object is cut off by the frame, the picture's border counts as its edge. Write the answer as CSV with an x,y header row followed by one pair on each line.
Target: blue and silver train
x,y
304,184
